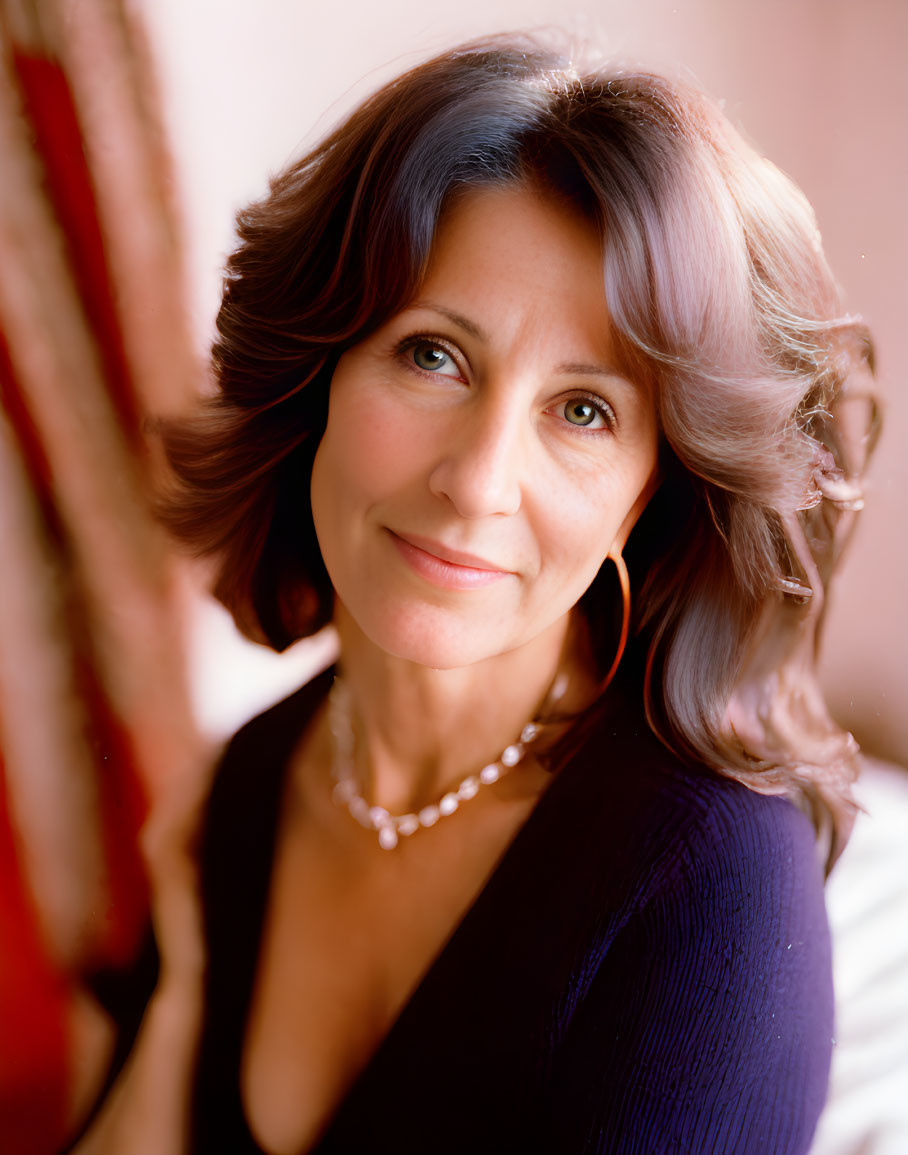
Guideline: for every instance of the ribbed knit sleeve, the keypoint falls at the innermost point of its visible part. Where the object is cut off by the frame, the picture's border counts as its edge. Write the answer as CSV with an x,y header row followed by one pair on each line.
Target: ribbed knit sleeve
x,y
706,1025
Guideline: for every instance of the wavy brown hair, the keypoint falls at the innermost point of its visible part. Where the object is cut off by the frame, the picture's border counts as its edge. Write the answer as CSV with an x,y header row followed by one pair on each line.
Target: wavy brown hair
x,y
720,298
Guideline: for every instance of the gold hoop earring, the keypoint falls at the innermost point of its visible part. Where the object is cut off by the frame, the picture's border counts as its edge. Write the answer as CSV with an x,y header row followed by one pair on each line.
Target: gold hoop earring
x,y
625,582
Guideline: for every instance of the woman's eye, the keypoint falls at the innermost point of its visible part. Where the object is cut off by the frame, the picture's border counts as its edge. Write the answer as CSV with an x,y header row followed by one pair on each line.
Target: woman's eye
x,y
432,358
584,412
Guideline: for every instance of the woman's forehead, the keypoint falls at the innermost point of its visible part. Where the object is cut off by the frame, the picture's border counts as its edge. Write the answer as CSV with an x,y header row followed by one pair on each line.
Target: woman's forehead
x,y
512,255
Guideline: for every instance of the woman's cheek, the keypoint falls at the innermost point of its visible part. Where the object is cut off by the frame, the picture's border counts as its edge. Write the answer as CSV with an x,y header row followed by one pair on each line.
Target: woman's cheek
x,y
397,443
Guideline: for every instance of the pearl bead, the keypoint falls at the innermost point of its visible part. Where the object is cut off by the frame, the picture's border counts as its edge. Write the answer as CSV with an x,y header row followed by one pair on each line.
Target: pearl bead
x,y
378,816
448,804
407,824
511,755
489,773
467,788
428,816
529,732
387,837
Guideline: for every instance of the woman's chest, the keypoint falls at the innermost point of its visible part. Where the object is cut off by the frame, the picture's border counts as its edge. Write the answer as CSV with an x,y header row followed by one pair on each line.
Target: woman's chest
x,y
346,941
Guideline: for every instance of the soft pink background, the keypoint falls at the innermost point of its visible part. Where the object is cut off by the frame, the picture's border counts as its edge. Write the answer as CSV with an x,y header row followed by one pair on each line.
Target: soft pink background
x,y
820,85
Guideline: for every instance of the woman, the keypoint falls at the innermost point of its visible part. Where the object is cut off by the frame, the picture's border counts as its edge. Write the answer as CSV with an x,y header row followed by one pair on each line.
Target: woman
x,y
536,385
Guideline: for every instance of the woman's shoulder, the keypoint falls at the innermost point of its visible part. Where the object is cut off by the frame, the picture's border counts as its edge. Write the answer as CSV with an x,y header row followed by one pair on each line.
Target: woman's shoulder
x,y
749,861
626,770
730,824
654,829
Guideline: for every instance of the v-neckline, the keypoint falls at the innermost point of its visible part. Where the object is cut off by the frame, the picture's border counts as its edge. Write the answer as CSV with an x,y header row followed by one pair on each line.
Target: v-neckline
x,y
310,698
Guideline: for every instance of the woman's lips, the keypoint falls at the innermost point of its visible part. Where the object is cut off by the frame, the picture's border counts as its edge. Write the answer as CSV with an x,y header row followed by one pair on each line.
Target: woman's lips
x,y
447,568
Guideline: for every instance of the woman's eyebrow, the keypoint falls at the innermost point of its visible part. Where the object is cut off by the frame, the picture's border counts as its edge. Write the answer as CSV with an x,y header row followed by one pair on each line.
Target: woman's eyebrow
x,y
584,369
458,319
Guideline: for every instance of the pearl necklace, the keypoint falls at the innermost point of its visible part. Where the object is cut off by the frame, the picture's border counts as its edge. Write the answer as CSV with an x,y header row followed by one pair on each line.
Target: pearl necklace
x,y
391,827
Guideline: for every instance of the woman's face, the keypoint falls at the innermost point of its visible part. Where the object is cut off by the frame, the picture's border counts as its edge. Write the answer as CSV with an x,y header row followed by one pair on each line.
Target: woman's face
x,y
482,451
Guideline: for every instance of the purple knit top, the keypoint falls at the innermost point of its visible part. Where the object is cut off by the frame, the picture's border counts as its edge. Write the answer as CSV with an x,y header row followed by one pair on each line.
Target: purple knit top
x,y
647,969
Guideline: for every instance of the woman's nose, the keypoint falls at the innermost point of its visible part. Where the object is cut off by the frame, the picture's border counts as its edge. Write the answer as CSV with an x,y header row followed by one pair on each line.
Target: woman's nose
x,y
481,470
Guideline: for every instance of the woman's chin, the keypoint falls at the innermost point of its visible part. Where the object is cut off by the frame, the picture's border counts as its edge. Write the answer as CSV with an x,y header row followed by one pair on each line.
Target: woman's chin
x,y
431,639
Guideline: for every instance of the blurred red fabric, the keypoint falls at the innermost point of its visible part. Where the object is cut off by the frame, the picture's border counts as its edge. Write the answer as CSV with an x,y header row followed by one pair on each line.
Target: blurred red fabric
x,y
94,717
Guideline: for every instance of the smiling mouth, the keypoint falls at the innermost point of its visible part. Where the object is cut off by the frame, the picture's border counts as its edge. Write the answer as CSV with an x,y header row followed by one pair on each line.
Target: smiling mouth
x,y
447,568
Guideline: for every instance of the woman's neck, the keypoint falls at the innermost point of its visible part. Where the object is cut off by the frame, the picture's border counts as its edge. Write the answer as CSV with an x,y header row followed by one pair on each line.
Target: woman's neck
x,y
420,730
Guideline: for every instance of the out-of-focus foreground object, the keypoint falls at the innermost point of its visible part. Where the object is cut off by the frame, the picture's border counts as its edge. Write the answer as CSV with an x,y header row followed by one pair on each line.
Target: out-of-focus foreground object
x,y
94,722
